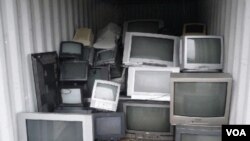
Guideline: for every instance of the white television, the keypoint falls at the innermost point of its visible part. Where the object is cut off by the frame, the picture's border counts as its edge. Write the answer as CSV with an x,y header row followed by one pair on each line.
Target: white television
x,y
55,127
142,25
202,53
150,83
105,95
150,49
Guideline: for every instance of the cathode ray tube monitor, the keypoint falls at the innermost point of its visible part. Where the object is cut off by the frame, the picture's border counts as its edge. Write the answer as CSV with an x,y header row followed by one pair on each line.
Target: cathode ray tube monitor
x,y
150,83
55,127
200,98
202,53
150,49
74,71
105,95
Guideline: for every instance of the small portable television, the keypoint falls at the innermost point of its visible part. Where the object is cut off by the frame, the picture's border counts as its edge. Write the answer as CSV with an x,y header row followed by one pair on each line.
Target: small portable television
x,y
105,95
200,98
104,57
202,53
150,83
150,49
146,120
55,127
71,50
197,133
143,26
109,126
194,29
74,71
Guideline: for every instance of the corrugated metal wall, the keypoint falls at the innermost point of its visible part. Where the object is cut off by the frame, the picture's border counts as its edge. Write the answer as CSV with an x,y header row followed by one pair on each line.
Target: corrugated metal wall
x,y
231,18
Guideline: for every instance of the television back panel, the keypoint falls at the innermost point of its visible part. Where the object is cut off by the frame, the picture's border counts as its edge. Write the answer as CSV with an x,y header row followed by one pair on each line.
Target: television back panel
x,y
45,71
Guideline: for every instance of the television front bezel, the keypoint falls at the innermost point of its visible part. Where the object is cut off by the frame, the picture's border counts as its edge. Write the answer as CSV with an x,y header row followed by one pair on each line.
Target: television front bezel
x,y
200,66
196,130
125,25
148,104
184,32
106,102
106,61
111,136
200,77
148,95
86,119
77,80
143,61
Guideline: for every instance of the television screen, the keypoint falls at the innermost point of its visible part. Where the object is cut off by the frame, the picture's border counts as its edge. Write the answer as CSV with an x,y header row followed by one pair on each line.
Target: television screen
x,y
43,130
200,99
190,137
74,71
71,48
143,26
71,96
152,48
204,50
104,55
106,92
147,119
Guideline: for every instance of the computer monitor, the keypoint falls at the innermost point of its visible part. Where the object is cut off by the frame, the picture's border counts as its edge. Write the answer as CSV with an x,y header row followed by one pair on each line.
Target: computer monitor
x,y
142,25
150,49
150,83
55,127
109,126
97,73
200,98
197,133
105,95
74,71
104,57
45,72
202,53
194,29
146,120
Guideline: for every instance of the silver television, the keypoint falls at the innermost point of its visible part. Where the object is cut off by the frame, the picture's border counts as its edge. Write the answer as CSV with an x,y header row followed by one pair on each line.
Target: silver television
x,y
148,120
150,83
105,95
142,25
201,53
150,49
197,133
55,127
200,98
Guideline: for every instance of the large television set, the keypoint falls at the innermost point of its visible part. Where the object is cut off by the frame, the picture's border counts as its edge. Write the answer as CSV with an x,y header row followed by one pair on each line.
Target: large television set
x,y
105,95
142,25
109,126
202,53
197,133
200,98
55,127
150,49
147,120
150,83
74,71
194,29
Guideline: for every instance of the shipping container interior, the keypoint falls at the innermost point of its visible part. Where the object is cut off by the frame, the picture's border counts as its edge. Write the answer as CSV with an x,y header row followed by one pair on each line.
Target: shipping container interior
x,y
34,26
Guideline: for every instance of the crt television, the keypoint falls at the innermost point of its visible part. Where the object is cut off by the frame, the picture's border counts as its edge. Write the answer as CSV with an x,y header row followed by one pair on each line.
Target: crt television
x,y
150,83
104,57
74,71
197,133
150,49
109,126
148,120
142,25
194,29
202,53
70,49
200,98
105,95
55,127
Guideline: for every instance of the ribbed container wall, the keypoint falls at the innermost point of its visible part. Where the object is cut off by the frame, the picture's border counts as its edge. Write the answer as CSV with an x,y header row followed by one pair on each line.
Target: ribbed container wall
x,y
29,26
231,19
